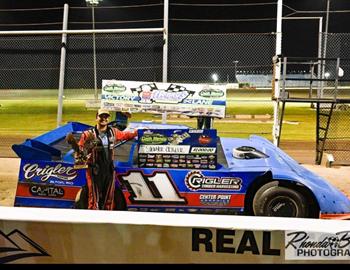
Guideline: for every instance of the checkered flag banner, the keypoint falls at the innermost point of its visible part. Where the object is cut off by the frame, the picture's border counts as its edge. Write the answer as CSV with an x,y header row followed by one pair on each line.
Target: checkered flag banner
x,y
176,88
145,86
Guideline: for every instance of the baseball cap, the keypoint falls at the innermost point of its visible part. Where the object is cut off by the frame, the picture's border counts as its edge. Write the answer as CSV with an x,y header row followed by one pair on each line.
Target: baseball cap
x,y
103,111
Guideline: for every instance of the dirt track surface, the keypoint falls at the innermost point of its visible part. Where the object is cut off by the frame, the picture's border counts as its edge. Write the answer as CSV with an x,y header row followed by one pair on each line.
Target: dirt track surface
x,y
5,145
8,180
338,176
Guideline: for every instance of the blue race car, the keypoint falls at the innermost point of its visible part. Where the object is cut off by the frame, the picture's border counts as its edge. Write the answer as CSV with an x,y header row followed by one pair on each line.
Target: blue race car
x,y
173,168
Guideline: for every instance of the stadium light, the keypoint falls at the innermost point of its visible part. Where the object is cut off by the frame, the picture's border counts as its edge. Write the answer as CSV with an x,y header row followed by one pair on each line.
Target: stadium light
x,y
93,4
215,77
341,72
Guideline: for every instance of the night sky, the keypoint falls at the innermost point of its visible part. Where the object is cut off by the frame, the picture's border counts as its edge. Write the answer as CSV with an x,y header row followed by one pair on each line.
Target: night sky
x,y
299,39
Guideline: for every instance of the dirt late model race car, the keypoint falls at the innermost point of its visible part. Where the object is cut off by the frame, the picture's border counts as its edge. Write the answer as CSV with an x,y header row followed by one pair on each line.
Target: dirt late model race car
x,y
173,168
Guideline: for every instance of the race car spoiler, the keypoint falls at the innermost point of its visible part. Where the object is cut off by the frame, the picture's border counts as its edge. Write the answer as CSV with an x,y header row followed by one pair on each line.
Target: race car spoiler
x,y
42,147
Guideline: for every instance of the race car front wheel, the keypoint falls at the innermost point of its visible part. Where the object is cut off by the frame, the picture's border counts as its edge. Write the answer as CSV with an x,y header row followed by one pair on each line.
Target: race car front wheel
x,y
274,200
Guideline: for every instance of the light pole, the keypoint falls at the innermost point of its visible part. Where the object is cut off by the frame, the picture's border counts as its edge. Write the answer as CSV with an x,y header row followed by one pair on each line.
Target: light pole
x,y
235,79
93,4
325,45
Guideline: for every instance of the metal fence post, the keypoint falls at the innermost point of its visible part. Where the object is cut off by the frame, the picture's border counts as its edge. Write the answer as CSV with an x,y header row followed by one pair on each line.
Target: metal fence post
x,y
165,49
62,67
276,127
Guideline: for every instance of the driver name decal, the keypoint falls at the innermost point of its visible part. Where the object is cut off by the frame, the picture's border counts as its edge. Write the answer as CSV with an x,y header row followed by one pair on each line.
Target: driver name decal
x,y
164,149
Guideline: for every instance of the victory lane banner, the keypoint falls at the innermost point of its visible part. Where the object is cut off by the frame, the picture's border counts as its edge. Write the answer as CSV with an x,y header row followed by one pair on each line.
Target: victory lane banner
x,y
154,97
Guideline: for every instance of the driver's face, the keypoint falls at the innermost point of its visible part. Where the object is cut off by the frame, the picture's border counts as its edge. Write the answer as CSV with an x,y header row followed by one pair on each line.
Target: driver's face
x,y
102,119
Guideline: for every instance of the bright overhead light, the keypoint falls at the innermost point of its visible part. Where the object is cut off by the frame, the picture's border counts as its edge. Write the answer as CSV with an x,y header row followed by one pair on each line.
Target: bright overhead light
x,y
215,77
93,2
341,72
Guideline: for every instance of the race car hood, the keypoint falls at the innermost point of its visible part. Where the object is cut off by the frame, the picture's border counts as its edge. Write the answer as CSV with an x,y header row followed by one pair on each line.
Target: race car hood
x,y
283,167
274,158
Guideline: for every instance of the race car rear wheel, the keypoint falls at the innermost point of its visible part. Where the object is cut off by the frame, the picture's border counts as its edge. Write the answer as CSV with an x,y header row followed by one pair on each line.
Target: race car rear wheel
x,y
274,200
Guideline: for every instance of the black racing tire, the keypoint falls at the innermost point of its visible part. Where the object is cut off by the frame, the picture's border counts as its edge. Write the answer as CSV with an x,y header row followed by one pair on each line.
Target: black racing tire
x,y
274,200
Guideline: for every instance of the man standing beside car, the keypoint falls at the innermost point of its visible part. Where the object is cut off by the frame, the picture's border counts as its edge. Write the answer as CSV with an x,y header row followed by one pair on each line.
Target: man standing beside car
x,y
100,191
